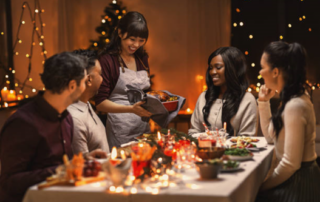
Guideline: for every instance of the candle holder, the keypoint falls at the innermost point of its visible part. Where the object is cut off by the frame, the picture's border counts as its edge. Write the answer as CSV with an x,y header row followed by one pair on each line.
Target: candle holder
x,y
117,173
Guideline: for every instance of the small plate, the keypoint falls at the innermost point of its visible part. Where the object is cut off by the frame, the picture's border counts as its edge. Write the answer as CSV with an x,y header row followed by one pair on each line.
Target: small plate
x,y
240,158
230,170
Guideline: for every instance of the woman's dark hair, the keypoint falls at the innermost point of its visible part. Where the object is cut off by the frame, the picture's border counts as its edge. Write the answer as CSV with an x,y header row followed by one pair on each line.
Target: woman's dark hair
x,y
60,69
236,82
91,55
290,59
134,24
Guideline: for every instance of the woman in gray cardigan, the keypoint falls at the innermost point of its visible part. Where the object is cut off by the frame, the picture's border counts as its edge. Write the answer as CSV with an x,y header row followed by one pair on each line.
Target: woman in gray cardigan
x,y
226,99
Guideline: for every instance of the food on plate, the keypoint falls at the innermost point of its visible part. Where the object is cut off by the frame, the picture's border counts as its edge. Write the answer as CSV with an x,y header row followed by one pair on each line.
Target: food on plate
x,y
91,168
244,145
162,96
244,138
238,152
75,168
230,164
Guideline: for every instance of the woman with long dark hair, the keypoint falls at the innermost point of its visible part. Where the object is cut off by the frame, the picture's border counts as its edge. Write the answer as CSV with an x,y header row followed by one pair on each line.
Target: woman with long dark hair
x,y
124,62
226,99
291,128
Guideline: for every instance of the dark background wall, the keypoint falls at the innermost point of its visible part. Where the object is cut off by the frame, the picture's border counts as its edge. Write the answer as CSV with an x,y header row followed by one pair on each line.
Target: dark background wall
x,y
266,20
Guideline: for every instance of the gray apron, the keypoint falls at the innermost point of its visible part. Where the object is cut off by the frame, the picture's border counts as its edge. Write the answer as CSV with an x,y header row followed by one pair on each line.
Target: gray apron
x,y
124,127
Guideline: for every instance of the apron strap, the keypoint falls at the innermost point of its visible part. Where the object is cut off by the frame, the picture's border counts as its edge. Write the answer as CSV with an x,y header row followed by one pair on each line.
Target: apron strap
x,y
122,64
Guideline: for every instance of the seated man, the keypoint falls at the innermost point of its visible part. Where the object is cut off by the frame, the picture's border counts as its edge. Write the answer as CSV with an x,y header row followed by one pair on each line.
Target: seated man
x,y
89,132
34,139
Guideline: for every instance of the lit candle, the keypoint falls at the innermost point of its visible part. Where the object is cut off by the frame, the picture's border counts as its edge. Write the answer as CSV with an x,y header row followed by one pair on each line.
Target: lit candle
x,y
11,96
225,126
4,93
113,160
123,156
160,142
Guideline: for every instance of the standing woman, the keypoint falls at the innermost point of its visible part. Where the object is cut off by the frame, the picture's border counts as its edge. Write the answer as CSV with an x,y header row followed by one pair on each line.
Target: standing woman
x,y
226,99
124,62
291,128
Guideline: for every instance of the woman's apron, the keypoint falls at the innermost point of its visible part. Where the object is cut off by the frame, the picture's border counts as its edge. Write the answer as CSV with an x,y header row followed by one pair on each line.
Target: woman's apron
x,y
124,127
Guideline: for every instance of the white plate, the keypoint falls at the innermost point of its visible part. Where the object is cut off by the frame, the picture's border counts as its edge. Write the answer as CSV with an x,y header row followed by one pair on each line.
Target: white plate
x,y
196,135
230,170
261,144
240,158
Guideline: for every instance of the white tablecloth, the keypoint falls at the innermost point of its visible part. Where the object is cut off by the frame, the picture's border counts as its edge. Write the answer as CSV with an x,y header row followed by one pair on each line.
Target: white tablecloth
x,y
236,187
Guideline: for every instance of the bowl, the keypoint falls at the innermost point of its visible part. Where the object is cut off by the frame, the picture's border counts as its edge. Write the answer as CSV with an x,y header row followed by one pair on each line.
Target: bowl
x,y
214,152
208,171
171,105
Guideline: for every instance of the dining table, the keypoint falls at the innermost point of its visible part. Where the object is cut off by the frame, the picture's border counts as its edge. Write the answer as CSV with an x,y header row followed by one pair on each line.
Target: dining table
x,y
238,186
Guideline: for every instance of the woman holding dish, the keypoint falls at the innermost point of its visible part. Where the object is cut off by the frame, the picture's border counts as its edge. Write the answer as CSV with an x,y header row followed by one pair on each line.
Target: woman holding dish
x,y
124,62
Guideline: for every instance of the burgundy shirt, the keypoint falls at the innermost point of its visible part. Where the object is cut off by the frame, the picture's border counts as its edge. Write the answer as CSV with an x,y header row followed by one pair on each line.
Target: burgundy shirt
x,y
110,74
32,143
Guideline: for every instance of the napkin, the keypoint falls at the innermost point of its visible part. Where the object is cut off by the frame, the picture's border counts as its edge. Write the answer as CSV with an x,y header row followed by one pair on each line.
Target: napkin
x,y
160,114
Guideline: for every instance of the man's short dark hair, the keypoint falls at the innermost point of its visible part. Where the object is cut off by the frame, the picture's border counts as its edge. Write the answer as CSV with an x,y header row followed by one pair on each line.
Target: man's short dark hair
x,y
60,69
92,56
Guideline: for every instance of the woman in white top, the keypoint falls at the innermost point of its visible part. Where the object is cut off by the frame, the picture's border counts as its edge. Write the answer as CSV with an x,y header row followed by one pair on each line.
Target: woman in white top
x,y
291,128
226,99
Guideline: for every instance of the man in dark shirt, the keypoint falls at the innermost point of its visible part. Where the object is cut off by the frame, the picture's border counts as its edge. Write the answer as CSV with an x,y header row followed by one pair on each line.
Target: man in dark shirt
x,y
34,139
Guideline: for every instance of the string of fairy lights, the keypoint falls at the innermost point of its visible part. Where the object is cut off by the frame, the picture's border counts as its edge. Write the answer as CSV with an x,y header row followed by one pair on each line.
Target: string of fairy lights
x,y
9,96
300,19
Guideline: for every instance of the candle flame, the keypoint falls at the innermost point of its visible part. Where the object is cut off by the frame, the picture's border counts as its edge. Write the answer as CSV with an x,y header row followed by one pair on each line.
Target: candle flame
x,y
159,136
114,153
123,156
225,125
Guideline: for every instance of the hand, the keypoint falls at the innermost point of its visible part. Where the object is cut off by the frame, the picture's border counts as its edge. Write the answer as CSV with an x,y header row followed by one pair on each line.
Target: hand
x,y
265,94
97,153
138,110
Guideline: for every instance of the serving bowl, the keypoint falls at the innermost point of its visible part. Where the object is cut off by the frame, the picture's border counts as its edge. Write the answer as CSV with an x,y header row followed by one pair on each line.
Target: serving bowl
x,y
210,153
171,105
207,170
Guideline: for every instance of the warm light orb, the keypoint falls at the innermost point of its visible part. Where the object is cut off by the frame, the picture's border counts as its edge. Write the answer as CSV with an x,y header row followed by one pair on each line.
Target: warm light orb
x,y
241,24
310,29
103,21
246,53
304,17
258,84
253,65
40,43
250,36
107,40
30,79
313,88
249,89
300,19
34,90
95,44
36,11
238,10
133,190
281,37
20,41
2,33
23,22
234,24
119,17
259,77
289,25
103,32
27,55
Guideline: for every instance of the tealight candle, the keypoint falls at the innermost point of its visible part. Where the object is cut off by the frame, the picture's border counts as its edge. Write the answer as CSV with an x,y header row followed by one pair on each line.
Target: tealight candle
x,y
113,160
160,142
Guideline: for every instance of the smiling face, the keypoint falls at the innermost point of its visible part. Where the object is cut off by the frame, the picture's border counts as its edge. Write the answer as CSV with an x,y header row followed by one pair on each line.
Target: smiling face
x,y
217,71
131,44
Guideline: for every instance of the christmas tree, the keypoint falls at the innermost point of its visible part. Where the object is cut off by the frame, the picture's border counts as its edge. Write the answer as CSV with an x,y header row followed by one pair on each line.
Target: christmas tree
x,y
109,21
